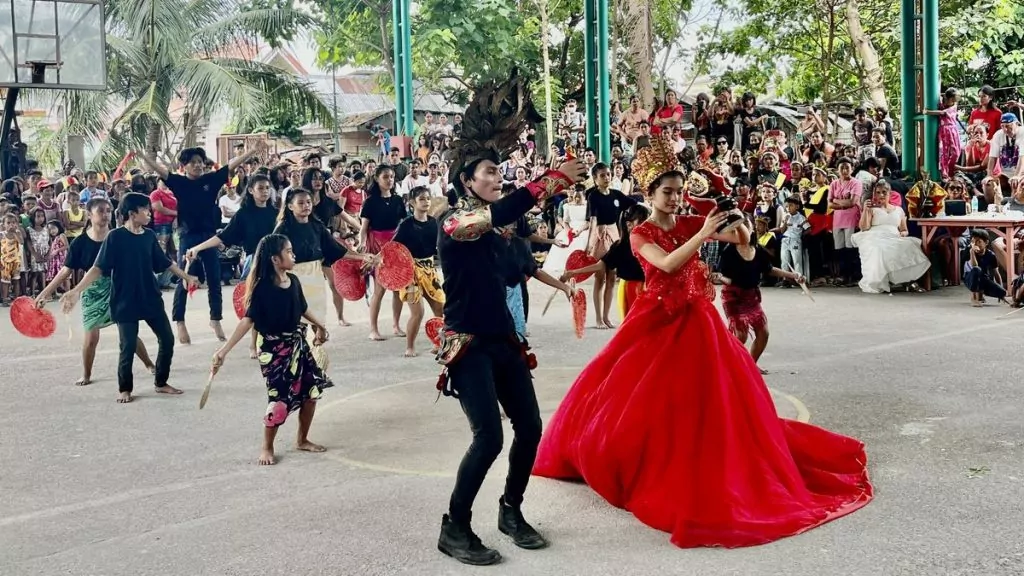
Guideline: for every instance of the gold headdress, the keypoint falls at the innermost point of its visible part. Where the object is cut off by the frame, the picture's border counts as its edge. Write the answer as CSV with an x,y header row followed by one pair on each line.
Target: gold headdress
x,y
696,184
492,123
651,162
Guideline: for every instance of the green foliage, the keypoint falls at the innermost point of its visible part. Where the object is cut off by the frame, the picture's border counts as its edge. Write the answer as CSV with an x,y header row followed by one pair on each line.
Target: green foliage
x,y
278,122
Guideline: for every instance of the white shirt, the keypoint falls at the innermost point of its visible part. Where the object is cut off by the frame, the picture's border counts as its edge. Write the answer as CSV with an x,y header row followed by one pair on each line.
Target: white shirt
x,y
438,188
232,205
411,182
1000,140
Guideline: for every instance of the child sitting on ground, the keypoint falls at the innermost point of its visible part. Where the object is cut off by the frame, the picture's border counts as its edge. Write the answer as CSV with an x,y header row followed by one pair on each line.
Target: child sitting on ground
x,y
981,272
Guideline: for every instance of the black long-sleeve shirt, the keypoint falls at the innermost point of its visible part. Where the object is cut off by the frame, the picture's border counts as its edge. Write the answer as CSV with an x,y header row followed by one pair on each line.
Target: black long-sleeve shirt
x,y
473,260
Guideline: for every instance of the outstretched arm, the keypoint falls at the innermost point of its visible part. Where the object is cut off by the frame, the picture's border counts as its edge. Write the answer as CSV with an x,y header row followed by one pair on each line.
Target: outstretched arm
x,y
154,165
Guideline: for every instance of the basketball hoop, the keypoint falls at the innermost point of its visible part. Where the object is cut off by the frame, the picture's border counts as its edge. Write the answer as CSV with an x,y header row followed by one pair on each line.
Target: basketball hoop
x,y
38,68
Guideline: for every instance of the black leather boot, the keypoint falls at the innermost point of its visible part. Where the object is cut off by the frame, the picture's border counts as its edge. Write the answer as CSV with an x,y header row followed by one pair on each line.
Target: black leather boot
x,y
512,523
459,542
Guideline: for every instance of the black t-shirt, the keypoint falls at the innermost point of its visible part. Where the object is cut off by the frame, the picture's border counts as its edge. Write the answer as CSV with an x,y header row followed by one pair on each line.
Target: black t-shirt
x,y
621,259
277,310
862,132
419,237
132,260
745,274
607,207
748,130
82,253
384,213
198,212
519,262
326,209
892,161
311,241
248,226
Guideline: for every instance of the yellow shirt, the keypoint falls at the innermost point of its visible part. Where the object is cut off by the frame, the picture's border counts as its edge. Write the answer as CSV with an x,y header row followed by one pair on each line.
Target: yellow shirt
x,y
80,217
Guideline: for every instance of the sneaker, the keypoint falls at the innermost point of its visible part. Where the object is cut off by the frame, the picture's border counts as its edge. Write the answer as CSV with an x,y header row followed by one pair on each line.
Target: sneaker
x,y
459,542
512,523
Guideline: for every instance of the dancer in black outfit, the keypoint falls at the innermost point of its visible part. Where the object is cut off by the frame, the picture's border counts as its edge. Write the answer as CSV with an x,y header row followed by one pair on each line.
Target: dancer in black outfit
x,y
484,362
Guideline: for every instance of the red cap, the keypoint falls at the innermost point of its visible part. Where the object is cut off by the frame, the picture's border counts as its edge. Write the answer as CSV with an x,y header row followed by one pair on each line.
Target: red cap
x,y
44,183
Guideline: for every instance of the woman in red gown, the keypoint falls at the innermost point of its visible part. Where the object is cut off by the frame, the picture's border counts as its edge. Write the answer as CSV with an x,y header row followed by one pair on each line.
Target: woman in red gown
x,y
673,421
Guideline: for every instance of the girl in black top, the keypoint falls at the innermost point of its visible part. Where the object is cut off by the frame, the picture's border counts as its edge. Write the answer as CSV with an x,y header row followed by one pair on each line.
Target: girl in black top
x,y
382,211
130,256
254,220
604,207
96,299
324,208
742,269
314,247
275,305
621,261
418,233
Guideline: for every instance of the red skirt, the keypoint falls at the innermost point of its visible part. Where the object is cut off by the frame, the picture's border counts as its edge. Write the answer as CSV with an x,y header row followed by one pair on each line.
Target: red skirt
x,y
743,309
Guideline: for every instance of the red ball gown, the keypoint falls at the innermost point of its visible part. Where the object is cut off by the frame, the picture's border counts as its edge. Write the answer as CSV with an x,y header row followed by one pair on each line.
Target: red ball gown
x,y
673,422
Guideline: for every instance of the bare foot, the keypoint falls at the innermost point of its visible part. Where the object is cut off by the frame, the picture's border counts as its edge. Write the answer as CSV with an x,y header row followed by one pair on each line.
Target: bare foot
x,y
267,457
601,325
376,337
167,389
218,331
252,353
609,324
344,323
410,353
124,398
183,336
83,381
399,333
307,446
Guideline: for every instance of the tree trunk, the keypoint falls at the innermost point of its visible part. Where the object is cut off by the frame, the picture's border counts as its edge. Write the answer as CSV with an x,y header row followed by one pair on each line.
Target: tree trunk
x,y
873,80
153,138
638,26
549,115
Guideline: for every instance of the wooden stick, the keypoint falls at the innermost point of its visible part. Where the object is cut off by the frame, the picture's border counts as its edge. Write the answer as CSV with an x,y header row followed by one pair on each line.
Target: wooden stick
x,y
206,391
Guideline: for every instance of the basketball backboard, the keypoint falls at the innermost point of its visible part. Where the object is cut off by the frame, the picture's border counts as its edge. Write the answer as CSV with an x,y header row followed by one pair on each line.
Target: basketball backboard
x,y
52,44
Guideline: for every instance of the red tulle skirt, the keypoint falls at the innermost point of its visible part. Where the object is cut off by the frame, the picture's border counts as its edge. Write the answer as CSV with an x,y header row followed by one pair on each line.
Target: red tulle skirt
x,y
673,422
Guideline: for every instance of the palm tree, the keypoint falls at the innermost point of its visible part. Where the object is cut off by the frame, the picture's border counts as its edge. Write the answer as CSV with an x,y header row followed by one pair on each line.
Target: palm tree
x,y
167,56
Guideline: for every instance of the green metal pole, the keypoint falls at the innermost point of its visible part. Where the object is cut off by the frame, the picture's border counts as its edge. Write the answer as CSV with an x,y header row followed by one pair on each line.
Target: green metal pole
x,y
604,89
589,81
908,112
932,85
410,111
396,18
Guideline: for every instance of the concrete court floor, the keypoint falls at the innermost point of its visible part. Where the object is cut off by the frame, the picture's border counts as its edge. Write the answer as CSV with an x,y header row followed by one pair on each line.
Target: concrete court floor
x,y
157,487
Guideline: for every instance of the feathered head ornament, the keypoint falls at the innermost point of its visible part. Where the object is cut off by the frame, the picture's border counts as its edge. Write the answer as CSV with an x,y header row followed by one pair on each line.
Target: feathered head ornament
x,y
697,184
492,123
653,161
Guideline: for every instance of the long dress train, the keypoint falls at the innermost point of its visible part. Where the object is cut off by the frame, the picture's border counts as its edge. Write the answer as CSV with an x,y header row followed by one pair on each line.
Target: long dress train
x,y
673,422
887,258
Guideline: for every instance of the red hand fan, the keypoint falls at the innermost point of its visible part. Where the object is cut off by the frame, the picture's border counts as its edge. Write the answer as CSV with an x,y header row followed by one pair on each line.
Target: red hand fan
x,y
580,259
579,311
397,269
238,299
30,321
191,288
433,329
349,279
572,235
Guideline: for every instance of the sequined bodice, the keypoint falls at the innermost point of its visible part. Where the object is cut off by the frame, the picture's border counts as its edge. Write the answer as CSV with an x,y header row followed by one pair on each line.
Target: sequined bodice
x,y
691,282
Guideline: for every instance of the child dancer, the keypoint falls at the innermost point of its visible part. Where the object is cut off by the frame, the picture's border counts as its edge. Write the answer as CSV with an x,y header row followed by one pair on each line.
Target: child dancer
x,y
981,273
130,256
418,233
96,298
58,251
275,304
621,259
604,207
743,267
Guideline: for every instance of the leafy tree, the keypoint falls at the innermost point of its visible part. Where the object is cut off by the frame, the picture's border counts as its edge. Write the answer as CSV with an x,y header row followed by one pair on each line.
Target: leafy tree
x,y
164,54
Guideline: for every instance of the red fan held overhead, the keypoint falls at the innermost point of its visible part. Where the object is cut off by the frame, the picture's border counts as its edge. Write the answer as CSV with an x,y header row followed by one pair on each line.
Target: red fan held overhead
x,y
349,279
238,299
397,268
31,321
580,259
579,311
433,329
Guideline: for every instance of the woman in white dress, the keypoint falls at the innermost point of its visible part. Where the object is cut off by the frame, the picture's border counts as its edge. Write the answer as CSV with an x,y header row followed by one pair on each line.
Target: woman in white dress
x,y
573,217
887,255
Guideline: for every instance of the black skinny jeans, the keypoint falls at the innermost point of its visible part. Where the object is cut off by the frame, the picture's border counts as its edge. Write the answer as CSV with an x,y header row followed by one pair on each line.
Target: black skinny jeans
x,y
493,371
128,333
209,265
